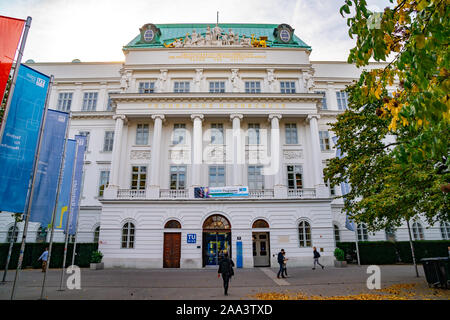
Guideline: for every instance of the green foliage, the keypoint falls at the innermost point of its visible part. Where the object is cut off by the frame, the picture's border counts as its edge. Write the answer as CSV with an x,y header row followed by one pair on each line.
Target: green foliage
x,y
339,254
34,250
96,257
387,252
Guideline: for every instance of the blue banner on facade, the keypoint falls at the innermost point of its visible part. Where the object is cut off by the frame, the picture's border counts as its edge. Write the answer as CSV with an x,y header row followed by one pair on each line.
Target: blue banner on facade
x,y
77,183
62,209
220,192
345,188
50,158
20,138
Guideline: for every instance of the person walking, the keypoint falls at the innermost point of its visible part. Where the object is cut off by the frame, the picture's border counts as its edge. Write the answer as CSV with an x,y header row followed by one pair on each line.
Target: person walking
x,y
226,269
281,263
284,264
316,258
44,258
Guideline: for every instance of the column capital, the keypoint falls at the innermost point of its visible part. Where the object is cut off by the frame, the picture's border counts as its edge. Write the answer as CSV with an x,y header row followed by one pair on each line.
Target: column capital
x,y
236,115
312,116
197,116
119,116
156,116
275,115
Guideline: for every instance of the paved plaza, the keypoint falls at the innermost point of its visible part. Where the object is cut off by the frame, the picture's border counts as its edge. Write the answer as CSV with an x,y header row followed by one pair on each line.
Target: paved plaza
x,y
193,284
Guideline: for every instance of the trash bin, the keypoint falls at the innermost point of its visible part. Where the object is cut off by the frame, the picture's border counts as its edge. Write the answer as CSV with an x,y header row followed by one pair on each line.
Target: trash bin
x,y
437,271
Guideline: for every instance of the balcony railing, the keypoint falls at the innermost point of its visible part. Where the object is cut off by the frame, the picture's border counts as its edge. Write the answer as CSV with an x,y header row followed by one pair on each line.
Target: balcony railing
x,y
173,194
131,194
301,193
261,194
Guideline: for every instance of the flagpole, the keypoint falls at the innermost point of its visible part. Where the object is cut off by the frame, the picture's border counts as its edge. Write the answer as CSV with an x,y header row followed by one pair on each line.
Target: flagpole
x,y
11,243
412,248
14,78
76,222
31,188
357,246
68,218
61,167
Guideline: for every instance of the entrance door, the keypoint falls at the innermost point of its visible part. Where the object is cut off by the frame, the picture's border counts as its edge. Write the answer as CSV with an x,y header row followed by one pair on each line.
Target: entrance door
x,y
172,250
214,244
261,249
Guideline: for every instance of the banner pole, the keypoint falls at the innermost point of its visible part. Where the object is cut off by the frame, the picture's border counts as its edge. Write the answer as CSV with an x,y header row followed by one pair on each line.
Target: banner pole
x,y
68,218
11,243
357,246
78,215
412,249
31,188
61,167
14,78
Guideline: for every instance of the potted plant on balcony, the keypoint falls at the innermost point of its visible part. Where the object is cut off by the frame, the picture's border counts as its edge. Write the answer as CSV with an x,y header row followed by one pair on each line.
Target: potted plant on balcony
x,y
96,260
340,258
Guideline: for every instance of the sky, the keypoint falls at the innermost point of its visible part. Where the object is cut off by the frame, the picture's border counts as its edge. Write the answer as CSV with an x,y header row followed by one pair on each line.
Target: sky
x,y
96,30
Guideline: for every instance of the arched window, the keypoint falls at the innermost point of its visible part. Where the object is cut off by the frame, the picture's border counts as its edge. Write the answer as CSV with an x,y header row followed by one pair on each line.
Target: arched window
x,y
97,234
216,222
12,234
337,234
390,234
128,236
362,232
417,231
304,234
41,235
173,224
260,223
445,230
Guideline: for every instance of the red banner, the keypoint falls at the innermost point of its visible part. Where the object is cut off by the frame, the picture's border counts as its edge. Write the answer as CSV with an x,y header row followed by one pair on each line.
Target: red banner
x,y
10,33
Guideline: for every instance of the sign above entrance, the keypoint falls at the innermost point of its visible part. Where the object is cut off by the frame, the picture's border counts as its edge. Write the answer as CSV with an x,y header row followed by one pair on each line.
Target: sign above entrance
x,y
220,192
191,238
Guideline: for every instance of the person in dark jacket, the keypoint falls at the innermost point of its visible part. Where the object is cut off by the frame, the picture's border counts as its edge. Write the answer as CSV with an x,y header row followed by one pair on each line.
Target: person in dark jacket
x,y
281,263
226,269
316,258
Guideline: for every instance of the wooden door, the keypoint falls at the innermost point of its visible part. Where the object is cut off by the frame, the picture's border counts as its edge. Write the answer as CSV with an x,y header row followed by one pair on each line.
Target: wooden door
x,y
172,250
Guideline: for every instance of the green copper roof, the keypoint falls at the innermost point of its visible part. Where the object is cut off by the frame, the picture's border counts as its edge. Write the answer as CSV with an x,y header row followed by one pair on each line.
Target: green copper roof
x,y
169,32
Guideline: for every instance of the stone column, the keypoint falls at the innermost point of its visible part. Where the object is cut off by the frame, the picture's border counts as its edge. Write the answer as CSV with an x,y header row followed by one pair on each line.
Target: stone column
x,y
321,190
331,97
154,185
77,103
113,186
102,97
280,190
238,150
197,149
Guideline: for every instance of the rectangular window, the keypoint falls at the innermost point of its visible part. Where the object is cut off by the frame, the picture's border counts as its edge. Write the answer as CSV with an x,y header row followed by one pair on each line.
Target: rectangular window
x,y
109,105
287,86
177,177
64,101
255,178
253,133
294,173
324,99
291,133
146,87
90,101
252,87
109,141
179,133
217,176
104,181
87,135
217,133
142,134
138,177
217,86
342,100
181,86
324,140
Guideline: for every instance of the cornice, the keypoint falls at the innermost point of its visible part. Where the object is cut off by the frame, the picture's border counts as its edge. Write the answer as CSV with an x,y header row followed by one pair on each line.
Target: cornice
x,y
92,114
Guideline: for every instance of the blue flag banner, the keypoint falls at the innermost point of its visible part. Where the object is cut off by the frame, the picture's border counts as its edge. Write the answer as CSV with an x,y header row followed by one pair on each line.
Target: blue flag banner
x,y
77,179
50,158
20,138
62,208
345,188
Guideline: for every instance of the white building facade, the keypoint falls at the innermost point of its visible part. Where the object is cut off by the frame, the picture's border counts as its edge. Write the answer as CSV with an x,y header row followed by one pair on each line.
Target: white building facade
x,y
192,107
